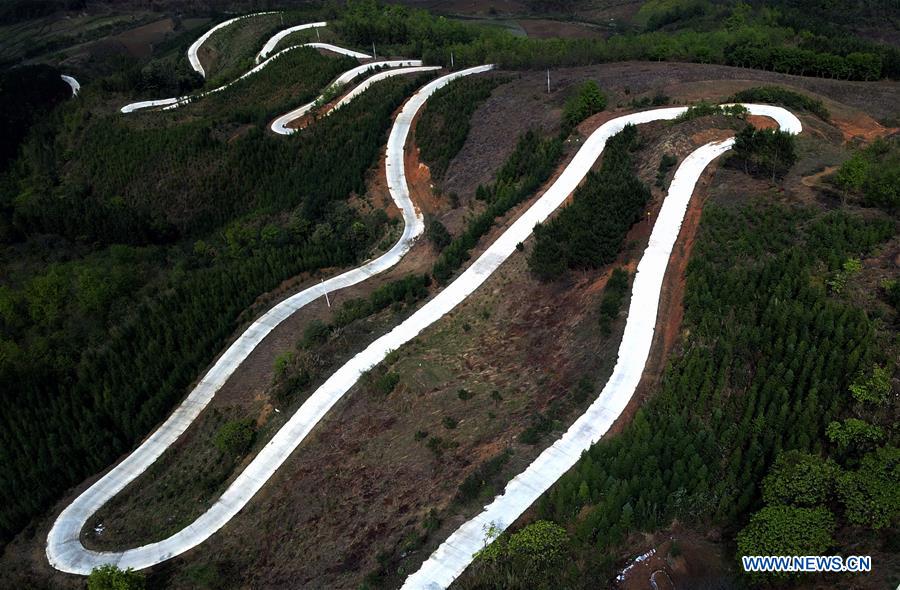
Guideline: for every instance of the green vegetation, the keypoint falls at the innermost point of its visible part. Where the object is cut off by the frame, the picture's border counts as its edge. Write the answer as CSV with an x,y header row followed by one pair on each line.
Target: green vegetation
x,y
479,485
526,559
134,246
706,109
524,171
444,124
757,376
589,232
437,234
872,175
109,577
784,97
586,102
235,437
765,151
874,387
613,296
787,530
408,290
734,34
666,163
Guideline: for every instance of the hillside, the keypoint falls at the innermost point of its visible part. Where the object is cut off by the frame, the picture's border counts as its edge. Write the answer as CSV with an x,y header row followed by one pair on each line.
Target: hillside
x,y
361,329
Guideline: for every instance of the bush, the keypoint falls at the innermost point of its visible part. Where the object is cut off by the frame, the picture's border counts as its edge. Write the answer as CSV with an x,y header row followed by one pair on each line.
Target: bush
x,y
438,235
588,101
613,296
109,577
667,162
315,333
235,437
479,481
705,109
385,384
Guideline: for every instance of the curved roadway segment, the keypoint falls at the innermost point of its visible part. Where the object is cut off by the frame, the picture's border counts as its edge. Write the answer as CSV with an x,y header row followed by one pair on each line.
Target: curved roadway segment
x,y
195,46
64,548
280,125
72,82
458,551
273,41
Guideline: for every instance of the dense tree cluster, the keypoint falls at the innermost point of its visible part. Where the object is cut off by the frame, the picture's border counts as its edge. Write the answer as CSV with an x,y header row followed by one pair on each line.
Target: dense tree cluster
x,y
872,174
759,375
588,232
444,124
752,39
587,101
766,151
529,165
407,290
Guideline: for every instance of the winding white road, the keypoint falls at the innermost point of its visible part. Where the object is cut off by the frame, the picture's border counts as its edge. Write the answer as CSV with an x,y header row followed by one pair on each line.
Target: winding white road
x,y
195,46
406,66
178,101
72,82
64,549
273,41
458,551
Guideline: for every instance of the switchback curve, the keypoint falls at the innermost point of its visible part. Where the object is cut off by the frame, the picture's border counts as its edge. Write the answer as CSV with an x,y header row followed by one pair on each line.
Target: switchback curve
x,y
195,46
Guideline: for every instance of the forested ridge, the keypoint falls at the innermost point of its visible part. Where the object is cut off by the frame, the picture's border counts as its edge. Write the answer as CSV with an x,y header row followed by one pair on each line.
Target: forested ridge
x,y
159,234
772,372
736,34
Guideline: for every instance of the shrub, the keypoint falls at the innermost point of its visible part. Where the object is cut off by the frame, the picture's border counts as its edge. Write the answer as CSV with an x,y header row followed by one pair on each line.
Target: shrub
x,y
315,333
588,101
235,437
438,235
109,577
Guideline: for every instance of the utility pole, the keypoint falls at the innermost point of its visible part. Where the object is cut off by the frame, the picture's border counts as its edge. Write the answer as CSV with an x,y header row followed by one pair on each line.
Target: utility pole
x,y
548,80
451,60
318,38
374,55
327,300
